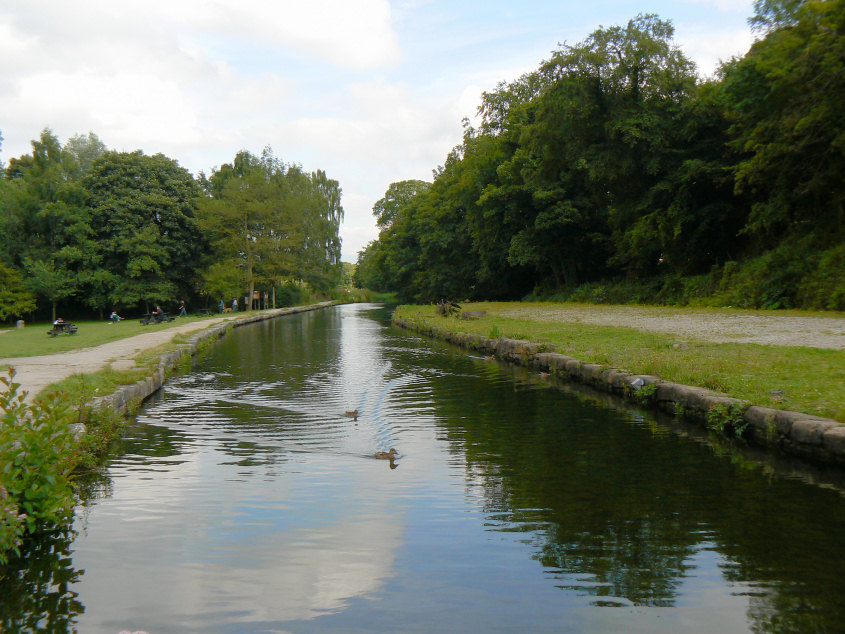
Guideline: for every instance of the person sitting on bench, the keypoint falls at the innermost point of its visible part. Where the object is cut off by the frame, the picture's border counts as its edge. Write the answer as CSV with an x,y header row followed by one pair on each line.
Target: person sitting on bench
x,y
114,318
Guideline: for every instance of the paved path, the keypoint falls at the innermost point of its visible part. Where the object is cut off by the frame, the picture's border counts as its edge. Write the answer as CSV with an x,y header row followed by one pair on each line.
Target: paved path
x,y
36,373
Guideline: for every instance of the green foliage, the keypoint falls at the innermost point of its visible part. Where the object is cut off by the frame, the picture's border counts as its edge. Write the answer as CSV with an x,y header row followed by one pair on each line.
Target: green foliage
x,y
15,299
269,224
105,229
395,198
612,161
785,99
35,448
823,285
290,294
727,419
142,216
12,525
646,395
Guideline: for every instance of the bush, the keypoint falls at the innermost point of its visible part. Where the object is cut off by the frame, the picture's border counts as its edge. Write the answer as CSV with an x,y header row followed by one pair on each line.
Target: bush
x,y
36,446
824,286
794,275
291,294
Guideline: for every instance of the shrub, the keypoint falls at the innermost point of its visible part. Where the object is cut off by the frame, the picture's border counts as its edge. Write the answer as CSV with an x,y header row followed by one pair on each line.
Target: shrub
x,y
727,419
36,449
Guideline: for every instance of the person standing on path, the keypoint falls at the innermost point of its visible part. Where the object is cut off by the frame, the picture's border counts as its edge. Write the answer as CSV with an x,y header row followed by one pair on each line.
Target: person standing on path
x,y
235,305
182,309
222,306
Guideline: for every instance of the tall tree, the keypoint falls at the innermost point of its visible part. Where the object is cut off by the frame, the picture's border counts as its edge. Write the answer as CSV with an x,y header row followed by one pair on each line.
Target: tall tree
x,y
143,210
785,99
236,217
272,223
397,196
46,221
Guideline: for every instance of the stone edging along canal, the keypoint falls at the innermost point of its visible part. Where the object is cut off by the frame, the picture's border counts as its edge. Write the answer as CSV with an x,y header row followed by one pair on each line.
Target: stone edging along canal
x,y
820,439
127,397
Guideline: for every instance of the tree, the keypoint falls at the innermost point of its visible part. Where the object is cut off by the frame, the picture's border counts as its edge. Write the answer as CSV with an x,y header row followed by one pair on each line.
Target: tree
x,y
785,100
15,299
142,215
52,280
47,222
235,219
85,149
397,196
273,223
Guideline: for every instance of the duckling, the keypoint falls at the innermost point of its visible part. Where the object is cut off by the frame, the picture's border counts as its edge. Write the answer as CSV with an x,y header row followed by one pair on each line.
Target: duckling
x,y
386,455
353,414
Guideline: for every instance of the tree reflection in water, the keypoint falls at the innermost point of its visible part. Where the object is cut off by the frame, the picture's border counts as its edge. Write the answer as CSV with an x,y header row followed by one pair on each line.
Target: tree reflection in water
x,y
34,587
622,511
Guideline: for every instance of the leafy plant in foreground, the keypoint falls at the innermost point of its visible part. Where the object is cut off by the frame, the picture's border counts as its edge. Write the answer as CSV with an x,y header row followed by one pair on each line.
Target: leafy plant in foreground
x,y
36,445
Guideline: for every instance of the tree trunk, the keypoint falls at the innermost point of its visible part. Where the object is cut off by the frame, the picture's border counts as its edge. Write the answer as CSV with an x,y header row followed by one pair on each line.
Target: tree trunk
x,y
54,310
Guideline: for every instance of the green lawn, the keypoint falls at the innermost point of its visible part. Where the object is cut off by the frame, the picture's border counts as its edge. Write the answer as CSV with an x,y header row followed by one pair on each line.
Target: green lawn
x,y
805,379
33,340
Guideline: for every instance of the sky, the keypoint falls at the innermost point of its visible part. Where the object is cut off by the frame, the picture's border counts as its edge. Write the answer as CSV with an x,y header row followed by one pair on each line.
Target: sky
x,y
370,91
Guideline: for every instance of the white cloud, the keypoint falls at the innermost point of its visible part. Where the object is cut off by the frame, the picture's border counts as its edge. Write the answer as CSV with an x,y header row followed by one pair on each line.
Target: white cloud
x,y
707,48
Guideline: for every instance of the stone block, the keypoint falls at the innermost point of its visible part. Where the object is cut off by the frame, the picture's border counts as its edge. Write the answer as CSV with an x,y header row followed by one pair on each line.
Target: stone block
x,y
591,372
762,419
811,431
833,440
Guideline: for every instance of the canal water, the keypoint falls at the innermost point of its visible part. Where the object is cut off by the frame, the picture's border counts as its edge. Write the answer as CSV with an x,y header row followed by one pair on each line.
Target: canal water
x,y
245,500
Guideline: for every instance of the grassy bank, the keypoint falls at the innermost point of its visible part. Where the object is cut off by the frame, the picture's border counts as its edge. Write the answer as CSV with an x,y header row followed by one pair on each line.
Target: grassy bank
x,y
33,340
804,379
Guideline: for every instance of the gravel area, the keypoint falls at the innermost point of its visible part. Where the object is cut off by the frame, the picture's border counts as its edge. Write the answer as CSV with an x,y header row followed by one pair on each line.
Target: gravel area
x,y
709,325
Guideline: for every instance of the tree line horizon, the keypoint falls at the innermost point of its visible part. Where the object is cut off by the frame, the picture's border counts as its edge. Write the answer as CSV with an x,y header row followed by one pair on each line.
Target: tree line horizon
x,y
613,172
94,230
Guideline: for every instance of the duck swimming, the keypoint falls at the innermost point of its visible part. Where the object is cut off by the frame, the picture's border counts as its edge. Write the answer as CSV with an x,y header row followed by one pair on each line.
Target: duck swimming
x,y
386,455
353,414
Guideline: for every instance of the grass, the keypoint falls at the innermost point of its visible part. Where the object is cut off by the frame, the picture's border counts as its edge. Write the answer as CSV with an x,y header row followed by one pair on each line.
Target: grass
x,y
809,380
33,340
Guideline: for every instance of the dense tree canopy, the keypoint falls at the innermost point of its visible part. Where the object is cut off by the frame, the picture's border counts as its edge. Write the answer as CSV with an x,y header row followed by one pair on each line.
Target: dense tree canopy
x,y
614,160
95,229
270,224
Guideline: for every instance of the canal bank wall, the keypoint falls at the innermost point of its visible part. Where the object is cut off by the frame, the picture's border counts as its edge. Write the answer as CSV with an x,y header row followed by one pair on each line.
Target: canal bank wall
x,y
796,433
127,398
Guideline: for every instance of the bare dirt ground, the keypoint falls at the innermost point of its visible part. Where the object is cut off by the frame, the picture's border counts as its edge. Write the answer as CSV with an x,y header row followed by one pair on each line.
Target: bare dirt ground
x,y
36,373
709,325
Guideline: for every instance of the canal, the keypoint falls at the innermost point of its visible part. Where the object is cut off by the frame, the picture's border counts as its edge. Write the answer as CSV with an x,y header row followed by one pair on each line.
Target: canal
x,y
244,499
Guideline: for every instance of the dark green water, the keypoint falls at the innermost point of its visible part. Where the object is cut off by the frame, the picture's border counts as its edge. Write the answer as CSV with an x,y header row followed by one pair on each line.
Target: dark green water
x,y
245,501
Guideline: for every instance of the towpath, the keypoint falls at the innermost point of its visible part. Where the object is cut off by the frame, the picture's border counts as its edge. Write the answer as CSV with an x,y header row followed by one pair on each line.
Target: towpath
x,y
36,373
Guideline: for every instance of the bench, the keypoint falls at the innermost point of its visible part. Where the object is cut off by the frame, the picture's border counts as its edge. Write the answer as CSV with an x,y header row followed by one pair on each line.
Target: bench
x,y
155,318
65,328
